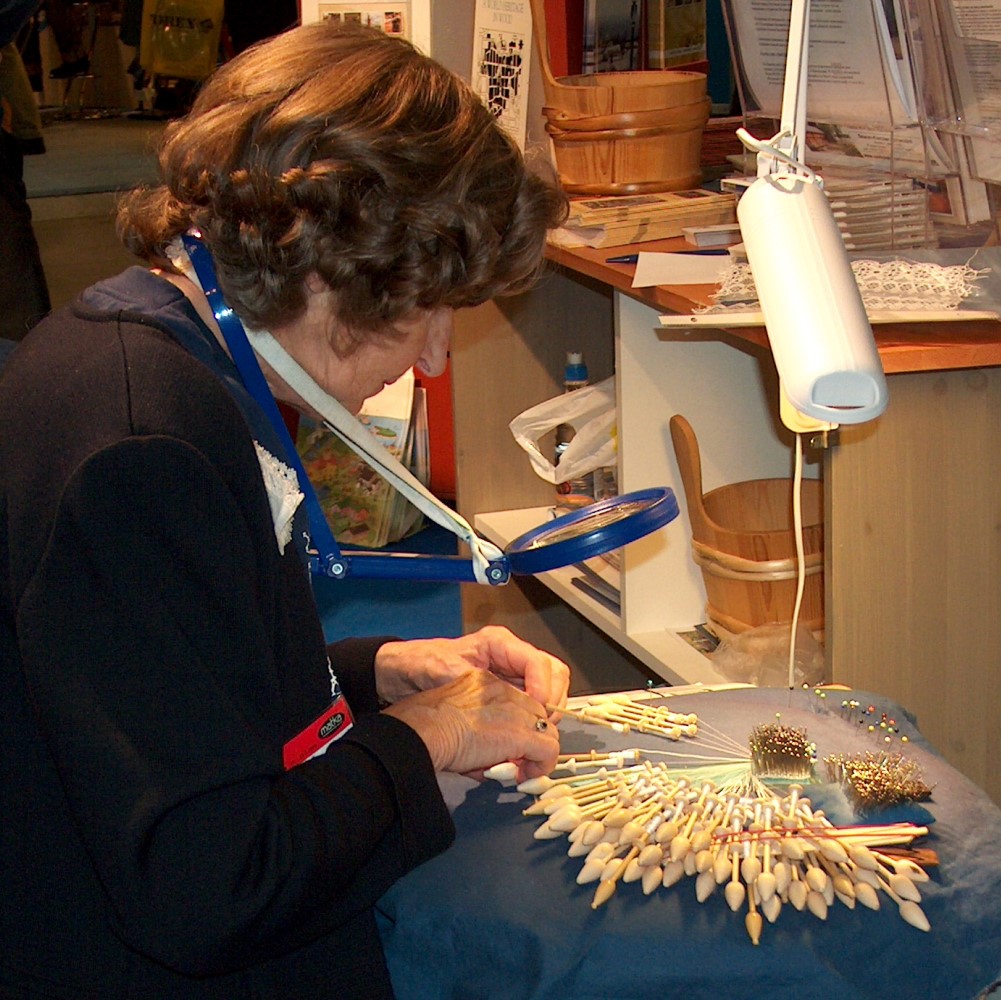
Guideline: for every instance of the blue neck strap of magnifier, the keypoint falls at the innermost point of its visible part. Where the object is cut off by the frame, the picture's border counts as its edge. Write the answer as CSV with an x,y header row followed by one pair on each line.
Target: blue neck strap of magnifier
x,y
326,559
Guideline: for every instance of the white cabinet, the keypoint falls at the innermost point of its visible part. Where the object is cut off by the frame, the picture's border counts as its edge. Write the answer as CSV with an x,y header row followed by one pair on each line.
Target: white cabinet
x,y
729,397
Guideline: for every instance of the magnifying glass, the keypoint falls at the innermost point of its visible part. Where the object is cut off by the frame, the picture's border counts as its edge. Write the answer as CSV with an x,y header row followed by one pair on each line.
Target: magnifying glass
x,y
600,527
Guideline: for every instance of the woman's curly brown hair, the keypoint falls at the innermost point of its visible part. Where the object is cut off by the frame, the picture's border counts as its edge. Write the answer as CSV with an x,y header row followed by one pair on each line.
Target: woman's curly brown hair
x,y
345,152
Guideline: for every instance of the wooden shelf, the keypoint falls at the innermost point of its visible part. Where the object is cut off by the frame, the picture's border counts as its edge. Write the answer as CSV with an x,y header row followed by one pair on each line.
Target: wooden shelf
x,y
903,347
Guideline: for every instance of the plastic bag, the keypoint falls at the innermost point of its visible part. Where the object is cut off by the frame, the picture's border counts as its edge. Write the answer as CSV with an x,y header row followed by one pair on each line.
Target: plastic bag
x,y
591,412
180,38
761,656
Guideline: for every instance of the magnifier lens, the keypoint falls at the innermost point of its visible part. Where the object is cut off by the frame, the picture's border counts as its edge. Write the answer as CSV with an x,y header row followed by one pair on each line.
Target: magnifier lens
x,y
592,530
591,521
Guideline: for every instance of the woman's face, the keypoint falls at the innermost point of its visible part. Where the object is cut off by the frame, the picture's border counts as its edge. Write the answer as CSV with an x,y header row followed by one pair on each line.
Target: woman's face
x,y
373,364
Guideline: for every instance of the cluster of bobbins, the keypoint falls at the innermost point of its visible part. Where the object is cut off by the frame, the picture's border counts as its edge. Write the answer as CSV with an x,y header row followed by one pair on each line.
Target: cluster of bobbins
x,y
640,823
633,820
622,714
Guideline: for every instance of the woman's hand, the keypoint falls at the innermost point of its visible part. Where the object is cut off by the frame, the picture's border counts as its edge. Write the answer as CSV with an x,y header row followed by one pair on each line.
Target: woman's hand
x,y
478,720
404,668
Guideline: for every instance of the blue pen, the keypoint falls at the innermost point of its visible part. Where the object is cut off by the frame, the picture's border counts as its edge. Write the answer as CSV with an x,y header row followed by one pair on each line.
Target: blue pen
x,y
631,258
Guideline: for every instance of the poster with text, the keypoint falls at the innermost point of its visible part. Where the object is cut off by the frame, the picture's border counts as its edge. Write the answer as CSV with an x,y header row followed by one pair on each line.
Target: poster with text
x,y
502,51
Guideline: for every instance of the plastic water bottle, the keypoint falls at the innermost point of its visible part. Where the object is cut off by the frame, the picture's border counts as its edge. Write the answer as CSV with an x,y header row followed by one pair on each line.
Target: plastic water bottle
x,y
580,491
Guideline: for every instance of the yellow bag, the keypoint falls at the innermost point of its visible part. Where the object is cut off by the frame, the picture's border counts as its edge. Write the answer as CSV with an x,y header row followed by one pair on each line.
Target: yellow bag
x,y
180,38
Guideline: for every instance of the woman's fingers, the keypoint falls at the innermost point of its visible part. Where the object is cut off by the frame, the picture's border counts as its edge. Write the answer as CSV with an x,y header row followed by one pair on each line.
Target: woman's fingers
x,y
479,720
406,667
544,677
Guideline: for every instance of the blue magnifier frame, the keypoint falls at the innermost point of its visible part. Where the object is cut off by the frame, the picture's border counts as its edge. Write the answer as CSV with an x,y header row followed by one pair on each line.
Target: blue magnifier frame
x,y
594,529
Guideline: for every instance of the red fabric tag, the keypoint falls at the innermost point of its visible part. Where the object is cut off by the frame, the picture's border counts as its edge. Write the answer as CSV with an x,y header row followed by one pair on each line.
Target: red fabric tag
x,y
331,724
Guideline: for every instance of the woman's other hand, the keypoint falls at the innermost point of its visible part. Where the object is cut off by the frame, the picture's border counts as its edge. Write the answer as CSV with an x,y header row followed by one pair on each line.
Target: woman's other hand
x,y
406,667
478,720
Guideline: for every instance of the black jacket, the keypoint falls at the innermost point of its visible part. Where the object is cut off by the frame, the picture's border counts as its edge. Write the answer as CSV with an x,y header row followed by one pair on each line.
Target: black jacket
x,y
156,653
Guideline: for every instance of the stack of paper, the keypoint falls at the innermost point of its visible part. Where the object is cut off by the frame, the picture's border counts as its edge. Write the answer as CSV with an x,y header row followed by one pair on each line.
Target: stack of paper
x,y
619,220
364,509
873,211
880,214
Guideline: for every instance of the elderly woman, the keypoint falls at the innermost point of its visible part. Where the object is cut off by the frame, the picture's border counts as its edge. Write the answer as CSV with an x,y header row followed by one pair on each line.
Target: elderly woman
x,y
165,831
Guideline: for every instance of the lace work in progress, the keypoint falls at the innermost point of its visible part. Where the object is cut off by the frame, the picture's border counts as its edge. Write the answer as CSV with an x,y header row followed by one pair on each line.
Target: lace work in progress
x,y
889,285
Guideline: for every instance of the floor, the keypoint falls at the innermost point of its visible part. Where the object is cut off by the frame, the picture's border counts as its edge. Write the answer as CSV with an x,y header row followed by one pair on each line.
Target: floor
x,y
73,188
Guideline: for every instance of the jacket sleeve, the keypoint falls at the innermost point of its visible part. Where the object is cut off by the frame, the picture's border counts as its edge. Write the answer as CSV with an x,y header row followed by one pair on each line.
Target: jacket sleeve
x,y
148,637
354,661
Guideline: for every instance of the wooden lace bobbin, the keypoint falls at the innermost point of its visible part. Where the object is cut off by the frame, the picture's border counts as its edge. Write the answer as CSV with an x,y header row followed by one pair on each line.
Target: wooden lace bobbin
x,y
750,865
606,819
903,866
505,772
681,845
766,882
584,805
711,863
594,758
753,919
594,863
637,833
574,815
900,885
582,716
643,710
841,884
735,891
721,860
645,719
643,825
909,908
771,908
798,889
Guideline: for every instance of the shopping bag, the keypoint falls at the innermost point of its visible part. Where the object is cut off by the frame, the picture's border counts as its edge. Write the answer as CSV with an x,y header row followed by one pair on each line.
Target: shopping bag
x,y
591,412
180,38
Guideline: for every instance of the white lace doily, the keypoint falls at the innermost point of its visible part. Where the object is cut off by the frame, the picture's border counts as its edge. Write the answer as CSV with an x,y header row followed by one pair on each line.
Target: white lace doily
x,y
284,494
891,285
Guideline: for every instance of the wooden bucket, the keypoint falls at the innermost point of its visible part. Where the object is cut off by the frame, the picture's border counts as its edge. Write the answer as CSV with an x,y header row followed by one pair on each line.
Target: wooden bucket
x,y
744,543
557,118
664,157
623,133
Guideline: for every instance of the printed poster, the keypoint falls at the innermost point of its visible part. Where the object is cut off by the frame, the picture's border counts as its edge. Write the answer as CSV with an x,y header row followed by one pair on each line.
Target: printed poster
x,y
502,50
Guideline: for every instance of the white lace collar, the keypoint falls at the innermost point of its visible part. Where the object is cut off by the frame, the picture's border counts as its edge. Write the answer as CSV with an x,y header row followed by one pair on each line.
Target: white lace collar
x,y
284,494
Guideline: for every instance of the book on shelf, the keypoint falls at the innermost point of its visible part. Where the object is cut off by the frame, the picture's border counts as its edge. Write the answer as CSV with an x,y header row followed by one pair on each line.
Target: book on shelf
x,y
874,211
643,207
601,580
859,68
676,34
892,87
621,219
612,32
362,508
970,40
879,212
